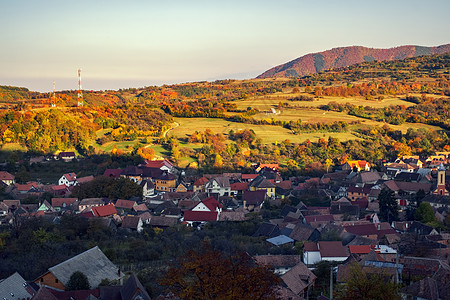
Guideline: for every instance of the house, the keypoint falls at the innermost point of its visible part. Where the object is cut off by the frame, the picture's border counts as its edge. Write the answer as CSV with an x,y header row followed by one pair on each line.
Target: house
x,y
253,199
356,164
93,263
218,185
163,221
238,188
279,263
148,188
268,166
181,188
367,177
15,287
267,230
113,173
199,184
133,222
133,173
62,203
125,204
206,210
261,183
163,165
163,181
354,192
303,232
66,156
89,203
69,179
45,206
7,178
324,250
299,279
12,205
280,240
104,210
248,177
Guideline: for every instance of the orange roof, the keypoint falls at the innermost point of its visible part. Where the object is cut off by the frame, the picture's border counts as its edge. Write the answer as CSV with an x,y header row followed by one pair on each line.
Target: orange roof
x,y
249,176
6,176
201,181
360,249
58,202
270,166
71,176
104,210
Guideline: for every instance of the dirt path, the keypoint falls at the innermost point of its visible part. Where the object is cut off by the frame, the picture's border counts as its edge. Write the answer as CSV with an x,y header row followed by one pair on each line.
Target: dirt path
x,y
173,127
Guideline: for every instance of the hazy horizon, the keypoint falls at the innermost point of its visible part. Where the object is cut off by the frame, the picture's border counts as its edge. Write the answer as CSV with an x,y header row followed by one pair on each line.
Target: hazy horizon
x,y
142,43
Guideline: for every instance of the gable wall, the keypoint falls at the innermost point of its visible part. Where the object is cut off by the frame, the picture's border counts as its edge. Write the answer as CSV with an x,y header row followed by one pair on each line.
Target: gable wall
x,y
49,279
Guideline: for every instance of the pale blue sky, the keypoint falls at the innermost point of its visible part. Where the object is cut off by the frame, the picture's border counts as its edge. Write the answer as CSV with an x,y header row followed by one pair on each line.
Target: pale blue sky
x,y
137,43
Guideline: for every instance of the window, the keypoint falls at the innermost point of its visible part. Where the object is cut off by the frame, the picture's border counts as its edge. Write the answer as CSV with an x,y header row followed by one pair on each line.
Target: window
x,y
56,280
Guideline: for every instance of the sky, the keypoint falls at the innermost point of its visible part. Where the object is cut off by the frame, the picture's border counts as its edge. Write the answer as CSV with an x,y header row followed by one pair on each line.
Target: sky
x,y
137,43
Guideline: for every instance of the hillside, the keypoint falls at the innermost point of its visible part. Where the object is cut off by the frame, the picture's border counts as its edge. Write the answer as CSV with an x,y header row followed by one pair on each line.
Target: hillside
x,y
347,56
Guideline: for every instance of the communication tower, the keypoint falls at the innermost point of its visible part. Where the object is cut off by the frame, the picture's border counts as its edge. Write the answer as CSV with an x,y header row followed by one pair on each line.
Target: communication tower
x,y
53,96
80,92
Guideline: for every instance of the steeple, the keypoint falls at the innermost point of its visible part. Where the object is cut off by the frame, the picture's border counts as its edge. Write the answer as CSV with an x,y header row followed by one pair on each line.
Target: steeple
x,y
440,189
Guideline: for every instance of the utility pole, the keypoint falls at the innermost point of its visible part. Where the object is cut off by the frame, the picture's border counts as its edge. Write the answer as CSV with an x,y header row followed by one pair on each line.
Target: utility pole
x,y
331,282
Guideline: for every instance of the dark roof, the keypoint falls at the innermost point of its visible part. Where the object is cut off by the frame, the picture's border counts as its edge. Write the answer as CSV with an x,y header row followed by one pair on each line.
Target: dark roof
x,y
332,249
115,173
426,288
344,208
354,189
127,204
319,218
131,222
200,216
132,171
407,176
362,229
267,230
261,182
277,260
302,232
298,278
254,197
287,209
132,288
93,263
162,221
420,228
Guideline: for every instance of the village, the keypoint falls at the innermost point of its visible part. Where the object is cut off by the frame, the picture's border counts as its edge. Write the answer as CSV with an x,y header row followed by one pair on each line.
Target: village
x,y
367,221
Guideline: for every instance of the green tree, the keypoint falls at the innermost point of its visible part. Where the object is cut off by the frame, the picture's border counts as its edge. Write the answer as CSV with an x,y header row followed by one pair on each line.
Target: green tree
x,y
424,213
78,281
388,205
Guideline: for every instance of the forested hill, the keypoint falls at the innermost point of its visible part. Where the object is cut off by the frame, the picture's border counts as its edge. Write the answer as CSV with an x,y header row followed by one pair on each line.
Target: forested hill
x,y
347,56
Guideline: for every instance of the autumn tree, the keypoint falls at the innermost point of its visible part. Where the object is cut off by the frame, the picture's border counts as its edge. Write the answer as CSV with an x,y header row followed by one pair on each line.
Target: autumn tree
x,y
210,274
361,285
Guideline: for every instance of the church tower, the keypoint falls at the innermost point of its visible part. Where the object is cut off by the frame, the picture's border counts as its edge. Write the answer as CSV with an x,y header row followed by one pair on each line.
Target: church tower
x,y
440,189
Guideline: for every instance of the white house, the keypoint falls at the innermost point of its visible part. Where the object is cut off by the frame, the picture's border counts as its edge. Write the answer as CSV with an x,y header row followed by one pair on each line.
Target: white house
x,y
324,250
219,185
69,179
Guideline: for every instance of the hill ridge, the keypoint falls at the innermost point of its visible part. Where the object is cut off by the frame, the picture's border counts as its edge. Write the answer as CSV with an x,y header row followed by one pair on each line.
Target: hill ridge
x,y
346,56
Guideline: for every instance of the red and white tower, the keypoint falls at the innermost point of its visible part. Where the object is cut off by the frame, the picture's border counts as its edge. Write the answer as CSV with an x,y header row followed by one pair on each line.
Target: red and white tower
x,y
80,92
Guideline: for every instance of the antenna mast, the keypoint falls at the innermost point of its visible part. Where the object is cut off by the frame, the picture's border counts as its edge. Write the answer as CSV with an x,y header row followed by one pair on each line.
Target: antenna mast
x,y
80,92
54,96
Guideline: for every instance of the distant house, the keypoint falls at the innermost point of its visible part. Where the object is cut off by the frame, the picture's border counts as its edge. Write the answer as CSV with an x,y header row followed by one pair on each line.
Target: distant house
x,y
248,177
261,183
62,203
253,199
125,204
45,206
148,188
181,188
354,192
7,178
323,250
199,184
356,164
238,188
66,156
206,210
113,173
90,203
104,210
299,279
93,263
218,185
133,222
69,179
279,263
163,165
268,166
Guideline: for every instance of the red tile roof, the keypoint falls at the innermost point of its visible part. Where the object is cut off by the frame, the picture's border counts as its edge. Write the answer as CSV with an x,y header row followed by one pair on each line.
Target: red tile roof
x,y
201,181
310,246
6,176
319,218
104,210
58,202
239,186
211,203
363,229
249,176
71,176
85,179
140,207
127,204
200,216
360,249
